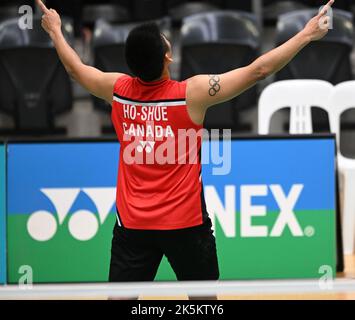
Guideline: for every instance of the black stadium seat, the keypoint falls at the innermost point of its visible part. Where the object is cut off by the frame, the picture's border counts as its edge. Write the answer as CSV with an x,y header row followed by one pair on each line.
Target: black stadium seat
x,y
238,5
273,9
173,3
8,12
185,9
217,42
147,9
34,86
108,12
108,45
328,59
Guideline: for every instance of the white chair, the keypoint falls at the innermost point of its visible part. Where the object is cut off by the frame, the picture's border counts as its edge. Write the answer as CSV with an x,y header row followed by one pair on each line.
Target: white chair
x,y
342,99
300,96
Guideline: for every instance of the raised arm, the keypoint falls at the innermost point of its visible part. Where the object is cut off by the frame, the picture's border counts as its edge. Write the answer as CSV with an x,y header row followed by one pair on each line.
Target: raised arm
x,y
98,83
204,91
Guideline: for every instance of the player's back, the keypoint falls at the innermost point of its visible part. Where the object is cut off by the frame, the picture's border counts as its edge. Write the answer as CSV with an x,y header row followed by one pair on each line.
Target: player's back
x,y
159,182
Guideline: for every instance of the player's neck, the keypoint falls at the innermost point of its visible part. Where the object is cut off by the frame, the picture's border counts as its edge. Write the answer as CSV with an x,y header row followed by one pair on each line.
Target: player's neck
x,y
165,75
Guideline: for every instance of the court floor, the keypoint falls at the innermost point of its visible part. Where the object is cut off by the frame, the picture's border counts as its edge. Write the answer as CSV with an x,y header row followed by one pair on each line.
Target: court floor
x,y
342,288
348,274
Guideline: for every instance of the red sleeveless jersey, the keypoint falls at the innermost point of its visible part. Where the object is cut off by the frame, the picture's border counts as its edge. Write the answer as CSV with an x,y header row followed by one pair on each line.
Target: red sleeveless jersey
x,y
159,178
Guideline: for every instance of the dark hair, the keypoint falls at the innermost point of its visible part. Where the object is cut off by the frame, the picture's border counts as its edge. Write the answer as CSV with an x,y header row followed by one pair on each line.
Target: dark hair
x,y
145,50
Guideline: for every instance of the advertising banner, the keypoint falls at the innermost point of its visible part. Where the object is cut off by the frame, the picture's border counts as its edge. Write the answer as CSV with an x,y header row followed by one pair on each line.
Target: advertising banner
x,y
61,210
2,214
272,206
274,212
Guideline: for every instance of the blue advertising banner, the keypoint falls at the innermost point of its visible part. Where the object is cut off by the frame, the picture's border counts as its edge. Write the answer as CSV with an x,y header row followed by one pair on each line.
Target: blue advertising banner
x,y
274,211
2,214
271,201
61,210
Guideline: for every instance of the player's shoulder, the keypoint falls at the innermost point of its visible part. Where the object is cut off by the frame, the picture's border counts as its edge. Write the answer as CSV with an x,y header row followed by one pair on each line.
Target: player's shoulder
x,y
195,83
122,77
122,81
177,87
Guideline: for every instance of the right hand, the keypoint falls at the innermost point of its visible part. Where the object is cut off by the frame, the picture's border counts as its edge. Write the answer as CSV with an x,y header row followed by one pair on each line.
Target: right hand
x,y
51,21
318,27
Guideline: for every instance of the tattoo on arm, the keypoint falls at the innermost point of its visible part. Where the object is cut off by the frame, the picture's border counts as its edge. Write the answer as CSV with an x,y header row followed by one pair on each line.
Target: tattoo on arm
x,y
215,86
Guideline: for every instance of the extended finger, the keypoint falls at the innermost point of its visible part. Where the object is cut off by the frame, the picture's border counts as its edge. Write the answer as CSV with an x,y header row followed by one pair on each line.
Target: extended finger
x,y
324,11
42,6
330,3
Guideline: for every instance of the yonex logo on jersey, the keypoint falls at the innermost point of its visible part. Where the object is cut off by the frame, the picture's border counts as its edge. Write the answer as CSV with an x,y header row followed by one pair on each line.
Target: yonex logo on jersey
x,y
83,224
148,146
226,213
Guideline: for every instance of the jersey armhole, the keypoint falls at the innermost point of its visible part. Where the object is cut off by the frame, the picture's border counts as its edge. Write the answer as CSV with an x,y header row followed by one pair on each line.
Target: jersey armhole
x,y
200,126
118,83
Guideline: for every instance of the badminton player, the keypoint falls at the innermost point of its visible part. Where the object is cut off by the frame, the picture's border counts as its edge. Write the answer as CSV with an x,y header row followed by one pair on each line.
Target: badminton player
x,y
160,206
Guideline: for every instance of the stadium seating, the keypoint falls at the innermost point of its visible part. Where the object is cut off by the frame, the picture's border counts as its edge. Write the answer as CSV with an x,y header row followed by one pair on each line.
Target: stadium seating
x,y
328,59
298,95
185,9
217,42
147,9
34,86
273,9
237,5
8,12
111,13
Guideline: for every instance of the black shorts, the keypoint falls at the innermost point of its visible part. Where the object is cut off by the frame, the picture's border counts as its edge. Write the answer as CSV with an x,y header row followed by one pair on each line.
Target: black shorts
x,y
136,254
